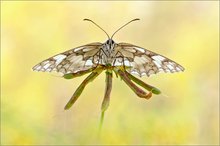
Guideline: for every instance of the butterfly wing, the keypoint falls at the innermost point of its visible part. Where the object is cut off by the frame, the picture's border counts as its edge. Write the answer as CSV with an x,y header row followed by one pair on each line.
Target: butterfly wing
x,y
144,62
71,61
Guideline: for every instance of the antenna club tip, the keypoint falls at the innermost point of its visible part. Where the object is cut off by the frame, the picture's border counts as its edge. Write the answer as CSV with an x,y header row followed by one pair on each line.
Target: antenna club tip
x,y
86,19
137,19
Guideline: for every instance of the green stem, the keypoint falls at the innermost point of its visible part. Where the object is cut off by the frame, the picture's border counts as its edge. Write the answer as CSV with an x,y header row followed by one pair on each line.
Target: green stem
x,y
142,84
81,87
108,89
136,89
77,74
83,72
101,121
105,102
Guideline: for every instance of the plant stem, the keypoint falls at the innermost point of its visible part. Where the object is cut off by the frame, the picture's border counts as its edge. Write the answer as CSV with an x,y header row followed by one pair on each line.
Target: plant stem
x,y
105,102
139,92
81,87
142,84
83,72
101,122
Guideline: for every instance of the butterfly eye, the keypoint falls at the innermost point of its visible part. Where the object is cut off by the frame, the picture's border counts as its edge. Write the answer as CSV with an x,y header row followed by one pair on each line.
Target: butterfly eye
x,y
110,42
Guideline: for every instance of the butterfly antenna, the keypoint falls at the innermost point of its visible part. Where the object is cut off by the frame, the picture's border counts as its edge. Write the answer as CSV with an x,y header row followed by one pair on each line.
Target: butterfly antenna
x,y
124,26
97,26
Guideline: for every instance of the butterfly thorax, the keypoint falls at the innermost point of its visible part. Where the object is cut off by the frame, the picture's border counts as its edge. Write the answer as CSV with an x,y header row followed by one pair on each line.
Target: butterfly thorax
x,y
108,52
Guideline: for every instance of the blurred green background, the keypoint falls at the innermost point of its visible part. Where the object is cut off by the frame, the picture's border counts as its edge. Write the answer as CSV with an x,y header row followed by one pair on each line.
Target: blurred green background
x,y
32,103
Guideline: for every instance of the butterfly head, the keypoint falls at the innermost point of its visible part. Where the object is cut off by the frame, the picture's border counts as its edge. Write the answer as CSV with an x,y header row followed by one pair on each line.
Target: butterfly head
x,y
110,44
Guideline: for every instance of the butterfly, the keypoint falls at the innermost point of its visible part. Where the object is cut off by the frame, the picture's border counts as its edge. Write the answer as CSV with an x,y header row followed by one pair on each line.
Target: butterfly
x,y
124,59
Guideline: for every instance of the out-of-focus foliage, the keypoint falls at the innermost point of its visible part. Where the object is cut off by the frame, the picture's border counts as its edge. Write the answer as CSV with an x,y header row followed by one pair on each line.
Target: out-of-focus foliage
x,y
32,103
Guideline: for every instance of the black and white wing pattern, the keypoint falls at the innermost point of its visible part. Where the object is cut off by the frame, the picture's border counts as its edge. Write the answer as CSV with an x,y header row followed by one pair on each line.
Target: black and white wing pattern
x,y
144,62
71,61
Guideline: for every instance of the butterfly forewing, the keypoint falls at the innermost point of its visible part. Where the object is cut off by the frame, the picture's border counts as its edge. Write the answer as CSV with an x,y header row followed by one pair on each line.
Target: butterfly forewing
x,y
71,61
145,62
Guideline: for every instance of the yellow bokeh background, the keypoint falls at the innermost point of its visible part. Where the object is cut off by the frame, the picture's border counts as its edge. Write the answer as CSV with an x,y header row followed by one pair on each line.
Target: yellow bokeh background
x,y
187,111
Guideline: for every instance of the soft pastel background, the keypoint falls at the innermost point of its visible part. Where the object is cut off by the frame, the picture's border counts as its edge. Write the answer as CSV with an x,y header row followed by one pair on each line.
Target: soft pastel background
x,y
32,102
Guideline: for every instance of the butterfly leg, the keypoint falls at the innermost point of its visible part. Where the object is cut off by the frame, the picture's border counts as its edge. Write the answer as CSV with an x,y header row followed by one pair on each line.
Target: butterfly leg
x,y
142,84
79,90
136,89
105,102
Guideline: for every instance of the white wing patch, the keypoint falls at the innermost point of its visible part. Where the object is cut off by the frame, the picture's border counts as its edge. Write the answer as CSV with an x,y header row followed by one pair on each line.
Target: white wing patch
x,y
144,62
158,57
78,59
59,58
